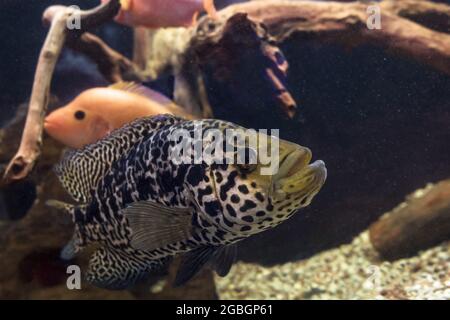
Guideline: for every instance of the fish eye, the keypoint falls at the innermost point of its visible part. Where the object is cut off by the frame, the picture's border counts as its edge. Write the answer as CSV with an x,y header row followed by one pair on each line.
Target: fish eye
x,y
80,115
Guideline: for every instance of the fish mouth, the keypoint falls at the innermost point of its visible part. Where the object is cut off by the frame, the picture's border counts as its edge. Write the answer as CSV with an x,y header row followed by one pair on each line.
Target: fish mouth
x,y
296,173
49,125
53,127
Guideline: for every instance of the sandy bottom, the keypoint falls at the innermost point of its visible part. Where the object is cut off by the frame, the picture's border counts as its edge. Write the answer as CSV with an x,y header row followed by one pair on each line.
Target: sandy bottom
x,y
352,271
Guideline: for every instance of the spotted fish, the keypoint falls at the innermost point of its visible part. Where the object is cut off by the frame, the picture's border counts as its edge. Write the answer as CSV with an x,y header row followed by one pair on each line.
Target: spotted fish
x,y
142,208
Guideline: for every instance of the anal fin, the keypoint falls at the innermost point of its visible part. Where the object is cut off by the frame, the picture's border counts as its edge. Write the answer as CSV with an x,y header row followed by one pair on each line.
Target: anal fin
x,y
221,258
192,262
224,258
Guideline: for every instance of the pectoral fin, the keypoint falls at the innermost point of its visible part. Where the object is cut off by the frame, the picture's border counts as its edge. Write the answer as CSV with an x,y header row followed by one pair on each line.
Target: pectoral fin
x,y
155,225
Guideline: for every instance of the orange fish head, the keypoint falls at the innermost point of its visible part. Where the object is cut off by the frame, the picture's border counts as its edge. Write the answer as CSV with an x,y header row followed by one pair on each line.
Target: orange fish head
x,y
75,127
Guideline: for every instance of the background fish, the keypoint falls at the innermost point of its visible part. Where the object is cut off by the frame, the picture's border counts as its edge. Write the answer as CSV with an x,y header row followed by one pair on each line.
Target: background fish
x,y
144,209
162,13
96,112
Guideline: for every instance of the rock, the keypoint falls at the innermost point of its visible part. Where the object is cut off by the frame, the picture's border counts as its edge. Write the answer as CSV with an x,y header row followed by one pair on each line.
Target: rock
x,y
419,223
360,275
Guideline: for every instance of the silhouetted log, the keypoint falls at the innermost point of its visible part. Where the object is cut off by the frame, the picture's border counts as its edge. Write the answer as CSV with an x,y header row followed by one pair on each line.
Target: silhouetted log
x,y
419,223
30,147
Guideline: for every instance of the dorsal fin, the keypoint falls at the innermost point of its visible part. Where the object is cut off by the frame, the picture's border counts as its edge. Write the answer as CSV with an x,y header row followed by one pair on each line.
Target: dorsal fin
x,y
142,91
80,170
154,96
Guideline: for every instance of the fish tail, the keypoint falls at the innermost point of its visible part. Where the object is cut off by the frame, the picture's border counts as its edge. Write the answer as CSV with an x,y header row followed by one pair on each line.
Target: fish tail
x,y
69,251
73,210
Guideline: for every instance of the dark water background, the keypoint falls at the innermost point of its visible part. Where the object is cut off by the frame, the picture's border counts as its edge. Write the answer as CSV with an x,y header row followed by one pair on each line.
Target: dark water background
x,y
381,123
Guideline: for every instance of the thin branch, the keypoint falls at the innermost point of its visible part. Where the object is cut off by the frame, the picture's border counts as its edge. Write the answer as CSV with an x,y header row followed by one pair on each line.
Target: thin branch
x,y
30,147
112,65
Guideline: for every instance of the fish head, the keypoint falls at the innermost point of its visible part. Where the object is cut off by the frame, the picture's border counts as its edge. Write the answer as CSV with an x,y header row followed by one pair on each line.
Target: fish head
x,y
274,181
75,126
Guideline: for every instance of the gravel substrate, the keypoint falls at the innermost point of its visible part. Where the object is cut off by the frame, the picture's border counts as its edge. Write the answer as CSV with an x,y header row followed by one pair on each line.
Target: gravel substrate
x,y
352,271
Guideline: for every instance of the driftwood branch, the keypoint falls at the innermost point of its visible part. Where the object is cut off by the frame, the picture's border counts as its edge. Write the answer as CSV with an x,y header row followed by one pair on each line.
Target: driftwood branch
x,y
411,28
346,24
31,143
408,28
419,223
432,15
112,65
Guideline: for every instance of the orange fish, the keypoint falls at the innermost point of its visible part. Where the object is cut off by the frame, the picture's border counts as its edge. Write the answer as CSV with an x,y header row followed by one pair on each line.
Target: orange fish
x,y
96,112
162,13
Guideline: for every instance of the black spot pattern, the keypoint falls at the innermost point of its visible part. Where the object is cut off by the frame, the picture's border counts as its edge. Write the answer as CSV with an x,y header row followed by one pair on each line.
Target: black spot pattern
x,y
133,164
243,188
248,204
235,198
228,185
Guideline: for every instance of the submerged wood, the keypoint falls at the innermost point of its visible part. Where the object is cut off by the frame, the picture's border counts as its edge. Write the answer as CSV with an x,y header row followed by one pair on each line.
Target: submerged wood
x,y
31,144
405,30
345,23
112,65
417,224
